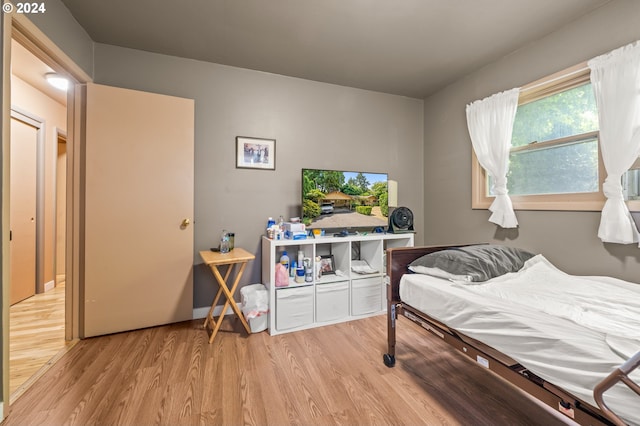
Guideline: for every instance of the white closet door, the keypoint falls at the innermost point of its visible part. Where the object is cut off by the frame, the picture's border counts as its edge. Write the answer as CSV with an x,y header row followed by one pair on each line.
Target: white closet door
x,y
22,208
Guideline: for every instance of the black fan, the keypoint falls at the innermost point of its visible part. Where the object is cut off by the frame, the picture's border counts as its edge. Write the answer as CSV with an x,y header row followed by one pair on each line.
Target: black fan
x,y
401,220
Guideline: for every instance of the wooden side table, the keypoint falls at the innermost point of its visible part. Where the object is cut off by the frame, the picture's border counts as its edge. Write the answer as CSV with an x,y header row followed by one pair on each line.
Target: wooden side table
x,y
237,256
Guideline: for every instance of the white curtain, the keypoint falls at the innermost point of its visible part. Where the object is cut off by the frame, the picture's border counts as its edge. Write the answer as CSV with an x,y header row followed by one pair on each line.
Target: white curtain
x,y
615,78
490,123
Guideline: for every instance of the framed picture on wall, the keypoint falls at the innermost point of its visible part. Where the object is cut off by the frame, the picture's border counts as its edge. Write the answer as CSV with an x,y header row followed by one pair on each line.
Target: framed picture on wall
x,y
255,153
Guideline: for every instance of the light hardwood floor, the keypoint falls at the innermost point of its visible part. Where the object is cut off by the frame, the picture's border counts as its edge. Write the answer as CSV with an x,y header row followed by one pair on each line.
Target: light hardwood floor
x,y
331,375
36,337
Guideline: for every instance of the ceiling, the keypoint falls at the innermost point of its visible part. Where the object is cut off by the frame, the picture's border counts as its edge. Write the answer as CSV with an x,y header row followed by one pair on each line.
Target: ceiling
x,y
405,47
32,70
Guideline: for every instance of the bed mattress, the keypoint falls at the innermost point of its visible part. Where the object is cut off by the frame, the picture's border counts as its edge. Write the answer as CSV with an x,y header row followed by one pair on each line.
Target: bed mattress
x,y
572,331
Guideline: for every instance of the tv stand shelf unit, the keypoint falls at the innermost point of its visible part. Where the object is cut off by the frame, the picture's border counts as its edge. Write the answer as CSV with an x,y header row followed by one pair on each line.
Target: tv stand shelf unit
x,y
333,298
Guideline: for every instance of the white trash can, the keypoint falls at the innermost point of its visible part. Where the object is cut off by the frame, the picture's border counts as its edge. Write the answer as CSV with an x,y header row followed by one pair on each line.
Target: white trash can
x,y
254,300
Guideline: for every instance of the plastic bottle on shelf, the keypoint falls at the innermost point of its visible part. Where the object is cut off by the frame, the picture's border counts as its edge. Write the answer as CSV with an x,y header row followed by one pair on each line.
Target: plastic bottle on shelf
x,y
224,242
318,268
271,232
300,258
292,268
284,260
281,224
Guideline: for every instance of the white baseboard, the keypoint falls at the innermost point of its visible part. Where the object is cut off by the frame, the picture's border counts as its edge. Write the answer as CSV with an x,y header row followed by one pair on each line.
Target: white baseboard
x,y
49,286
199,313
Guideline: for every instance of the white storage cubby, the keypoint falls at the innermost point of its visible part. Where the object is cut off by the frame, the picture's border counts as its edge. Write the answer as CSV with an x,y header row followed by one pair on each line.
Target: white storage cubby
x,y
332,298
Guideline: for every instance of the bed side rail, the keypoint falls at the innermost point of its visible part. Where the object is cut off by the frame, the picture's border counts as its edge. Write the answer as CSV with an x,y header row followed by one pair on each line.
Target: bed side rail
x,y
620,374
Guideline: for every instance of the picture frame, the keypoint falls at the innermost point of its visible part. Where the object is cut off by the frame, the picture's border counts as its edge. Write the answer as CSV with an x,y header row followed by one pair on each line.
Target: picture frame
x,y
327,264
255,153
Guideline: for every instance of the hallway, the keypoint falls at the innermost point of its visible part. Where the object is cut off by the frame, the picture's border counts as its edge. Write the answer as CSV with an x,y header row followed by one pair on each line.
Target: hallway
x,y
36,337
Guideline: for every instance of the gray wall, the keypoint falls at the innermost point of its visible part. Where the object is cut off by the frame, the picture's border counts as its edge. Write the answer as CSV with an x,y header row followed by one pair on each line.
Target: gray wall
x,y
568,239
316,125
321,125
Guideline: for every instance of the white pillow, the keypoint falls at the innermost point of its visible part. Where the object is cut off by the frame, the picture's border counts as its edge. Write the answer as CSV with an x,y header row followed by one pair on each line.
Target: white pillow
x,y
437,272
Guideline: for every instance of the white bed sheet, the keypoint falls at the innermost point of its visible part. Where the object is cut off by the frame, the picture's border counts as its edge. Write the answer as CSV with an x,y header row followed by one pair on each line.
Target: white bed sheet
x,y
571,331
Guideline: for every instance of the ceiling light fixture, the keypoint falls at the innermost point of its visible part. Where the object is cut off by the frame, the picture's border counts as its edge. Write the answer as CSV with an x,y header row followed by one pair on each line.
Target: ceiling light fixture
x,y
58,81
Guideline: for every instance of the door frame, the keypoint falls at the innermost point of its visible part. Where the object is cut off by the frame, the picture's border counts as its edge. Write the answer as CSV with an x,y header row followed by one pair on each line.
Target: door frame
x,y
58,135
21,29
39,124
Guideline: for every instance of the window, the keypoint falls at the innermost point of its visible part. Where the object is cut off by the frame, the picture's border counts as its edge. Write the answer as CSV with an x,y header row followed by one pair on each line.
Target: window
x,y
554,162
631,186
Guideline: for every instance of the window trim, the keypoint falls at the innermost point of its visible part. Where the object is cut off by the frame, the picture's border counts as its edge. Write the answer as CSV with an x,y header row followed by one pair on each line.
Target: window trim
x,y
591,201
561,81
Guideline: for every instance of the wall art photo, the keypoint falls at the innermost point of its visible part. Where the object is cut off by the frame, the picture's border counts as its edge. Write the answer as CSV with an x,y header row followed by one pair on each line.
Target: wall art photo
x,y
255,153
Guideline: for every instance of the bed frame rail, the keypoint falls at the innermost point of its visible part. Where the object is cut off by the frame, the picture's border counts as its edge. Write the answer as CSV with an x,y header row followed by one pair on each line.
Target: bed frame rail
x,y
398,259
620,374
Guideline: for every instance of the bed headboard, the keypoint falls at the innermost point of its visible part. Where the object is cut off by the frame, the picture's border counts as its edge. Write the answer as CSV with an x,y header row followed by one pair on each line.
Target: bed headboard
x,y
398,259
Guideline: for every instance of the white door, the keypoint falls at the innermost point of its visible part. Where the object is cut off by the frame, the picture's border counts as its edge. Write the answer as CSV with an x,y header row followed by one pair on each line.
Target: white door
x,y
138,202
22,210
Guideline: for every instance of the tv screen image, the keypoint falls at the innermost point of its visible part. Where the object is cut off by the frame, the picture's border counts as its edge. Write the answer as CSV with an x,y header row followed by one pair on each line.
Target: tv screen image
x,y
334,199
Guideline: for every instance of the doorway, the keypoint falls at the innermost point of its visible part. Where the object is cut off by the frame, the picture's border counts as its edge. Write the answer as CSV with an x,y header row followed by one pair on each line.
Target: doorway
x,y
61,208
84,111
38,219
18,28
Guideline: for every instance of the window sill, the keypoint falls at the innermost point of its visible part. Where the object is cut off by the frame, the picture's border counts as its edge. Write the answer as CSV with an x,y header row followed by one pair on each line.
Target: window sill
x,y
550,205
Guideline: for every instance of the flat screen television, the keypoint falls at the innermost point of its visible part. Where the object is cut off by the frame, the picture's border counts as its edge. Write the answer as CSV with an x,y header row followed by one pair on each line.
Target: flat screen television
x,y
344,200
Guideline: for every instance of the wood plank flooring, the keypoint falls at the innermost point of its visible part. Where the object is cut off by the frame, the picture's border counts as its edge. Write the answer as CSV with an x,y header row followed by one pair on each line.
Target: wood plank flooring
x,y
36,336
325,376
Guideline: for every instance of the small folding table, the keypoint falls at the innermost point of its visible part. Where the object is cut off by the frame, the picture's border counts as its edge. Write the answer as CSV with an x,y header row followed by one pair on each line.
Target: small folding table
x,y
239,257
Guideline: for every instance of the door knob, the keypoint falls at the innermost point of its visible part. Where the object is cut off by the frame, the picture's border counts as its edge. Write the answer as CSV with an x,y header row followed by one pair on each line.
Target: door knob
x,y
185,223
